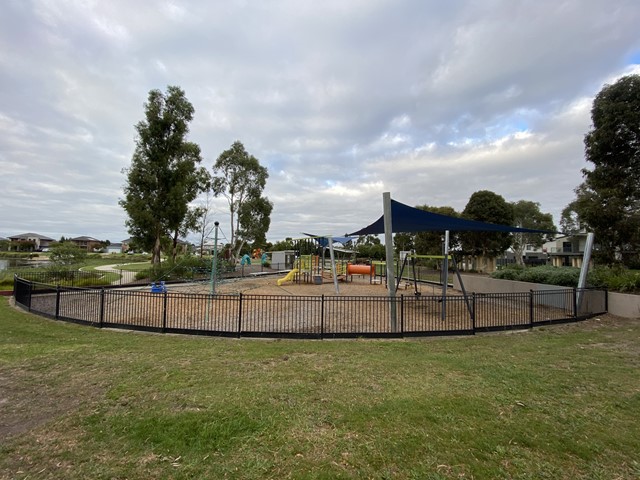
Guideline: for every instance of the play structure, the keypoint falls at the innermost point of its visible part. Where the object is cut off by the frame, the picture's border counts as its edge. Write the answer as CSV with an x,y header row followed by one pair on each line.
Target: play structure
x,y
311,265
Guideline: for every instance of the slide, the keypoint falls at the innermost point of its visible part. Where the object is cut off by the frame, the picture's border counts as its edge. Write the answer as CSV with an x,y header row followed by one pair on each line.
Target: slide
x,y
289,276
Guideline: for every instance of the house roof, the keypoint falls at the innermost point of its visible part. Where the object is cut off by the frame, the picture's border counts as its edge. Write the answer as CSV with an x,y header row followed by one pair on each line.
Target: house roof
x,y
85,239
26,236
408,219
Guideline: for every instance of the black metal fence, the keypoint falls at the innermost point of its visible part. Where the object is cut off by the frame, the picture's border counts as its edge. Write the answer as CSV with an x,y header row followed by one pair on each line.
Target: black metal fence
x,y
307,316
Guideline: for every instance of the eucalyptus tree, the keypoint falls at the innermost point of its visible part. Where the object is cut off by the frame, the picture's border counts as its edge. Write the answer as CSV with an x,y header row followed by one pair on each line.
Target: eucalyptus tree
x,y
527,214
164,176
608,201
239,177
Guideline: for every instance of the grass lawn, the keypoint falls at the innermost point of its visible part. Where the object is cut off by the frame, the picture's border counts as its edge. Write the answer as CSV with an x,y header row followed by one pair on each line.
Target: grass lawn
x,y
558,402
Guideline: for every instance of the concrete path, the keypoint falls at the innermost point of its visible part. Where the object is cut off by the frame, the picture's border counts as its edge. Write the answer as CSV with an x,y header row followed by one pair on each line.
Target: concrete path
x,y
127,276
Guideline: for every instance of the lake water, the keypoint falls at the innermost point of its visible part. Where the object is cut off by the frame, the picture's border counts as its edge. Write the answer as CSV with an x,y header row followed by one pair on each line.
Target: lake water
x,y
7,263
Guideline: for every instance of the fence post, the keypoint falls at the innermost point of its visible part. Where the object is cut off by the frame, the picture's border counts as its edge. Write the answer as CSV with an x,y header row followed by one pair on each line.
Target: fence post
x,y
30,294
531,308
101,320
606,299
322,317
575,303
402,315
240,315
164,311
473,312
57,302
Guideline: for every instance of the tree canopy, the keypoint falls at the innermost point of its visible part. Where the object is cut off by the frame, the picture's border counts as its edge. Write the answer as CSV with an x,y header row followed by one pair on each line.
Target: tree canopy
x,y
239,177
164,176
487,206
527,214
66,254
608,200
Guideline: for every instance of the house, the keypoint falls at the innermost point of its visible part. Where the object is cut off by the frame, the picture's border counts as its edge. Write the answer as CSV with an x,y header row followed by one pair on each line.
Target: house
x,y
87,243
566,250
114,248
126,245
30,242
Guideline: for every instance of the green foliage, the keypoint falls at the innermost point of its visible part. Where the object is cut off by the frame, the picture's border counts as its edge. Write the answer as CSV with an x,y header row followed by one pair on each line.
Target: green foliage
x,y
608,201
617,279
527,214
66,254
430,243
563,276
239,177
286,244
371,251
164,176
486,206
186,267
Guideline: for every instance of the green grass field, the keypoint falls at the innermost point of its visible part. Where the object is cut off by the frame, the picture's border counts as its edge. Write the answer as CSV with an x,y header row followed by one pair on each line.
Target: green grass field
x,y
557,403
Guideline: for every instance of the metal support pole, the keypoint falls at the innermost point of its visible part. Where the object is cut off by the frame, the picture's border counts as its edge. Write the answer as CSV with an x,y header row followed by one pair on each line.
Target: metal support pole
x,y
586,259
388,243
333,265
214,260
445,275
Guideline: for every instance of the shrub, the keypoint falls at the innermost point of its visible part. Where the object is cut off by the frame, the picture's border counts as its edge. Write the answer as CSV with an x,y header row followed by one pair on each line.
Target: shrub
x,y
563,276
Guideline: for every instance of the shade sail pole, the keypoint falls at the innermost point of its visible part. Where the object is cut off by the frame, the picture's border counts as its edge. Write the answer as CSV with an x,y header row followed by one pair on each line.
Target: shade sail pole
x,y
445,275
391,270
333,266
584,270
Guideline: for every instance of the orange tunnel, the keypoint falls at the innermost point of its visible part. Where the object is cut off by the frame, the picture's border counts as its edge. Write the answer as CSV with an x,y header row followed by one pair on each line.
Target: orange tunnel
x,y
359,269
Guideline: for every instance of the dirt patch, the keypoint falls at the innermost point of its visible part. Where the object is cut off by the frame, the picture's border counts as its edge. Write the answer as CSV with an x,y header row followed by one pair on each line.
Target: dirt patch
x,y
31,396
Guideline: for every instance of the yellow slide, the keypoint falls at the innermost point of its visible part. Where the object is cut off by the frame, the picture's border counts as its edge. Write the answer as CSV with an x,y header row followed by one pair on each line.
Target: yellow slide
x,y
289,276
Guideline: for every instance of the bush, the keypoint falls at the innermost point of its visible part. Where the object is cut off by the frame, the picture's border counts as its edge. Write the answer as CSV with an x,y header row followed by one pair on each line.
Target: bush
x,y
617,279
563,276
187,267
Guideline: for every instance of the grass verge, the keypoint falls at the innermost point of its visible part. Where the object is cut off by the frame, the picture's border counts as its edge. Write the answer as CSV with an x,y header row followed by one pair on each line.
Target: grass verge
x,y
558,402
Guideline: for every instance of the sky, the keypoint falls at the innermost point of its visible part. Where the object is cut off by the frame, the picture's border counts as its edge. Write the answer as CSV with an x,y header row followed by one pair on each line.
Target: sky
x,y
340,101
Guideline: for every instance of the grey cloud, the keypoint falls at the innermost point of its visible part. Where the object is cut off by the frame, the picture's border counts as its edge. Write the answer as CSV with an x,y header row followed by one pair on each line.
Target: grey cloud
x,y
340,100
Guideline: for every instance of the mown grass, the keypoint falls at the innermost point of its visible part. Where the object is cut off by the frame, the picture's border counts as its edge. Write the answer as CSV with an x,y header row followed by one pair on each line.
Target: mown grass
x,y
559,402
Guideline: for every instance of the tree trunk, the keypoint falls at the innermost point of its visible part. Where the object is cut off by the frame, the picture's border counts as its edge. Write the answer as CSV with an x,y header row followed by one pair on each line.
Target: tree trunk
x,y
155,259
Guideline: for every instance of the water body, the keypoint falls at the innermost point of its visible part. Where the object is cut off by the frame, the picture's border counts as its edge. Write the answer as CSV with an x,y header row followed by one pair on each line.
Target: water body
x,y
11,263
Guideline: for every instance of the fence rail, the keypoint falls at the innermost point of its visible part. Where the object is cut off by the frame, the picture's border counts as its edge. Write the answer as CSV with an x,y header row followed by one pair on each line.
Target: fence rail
x,y
315,317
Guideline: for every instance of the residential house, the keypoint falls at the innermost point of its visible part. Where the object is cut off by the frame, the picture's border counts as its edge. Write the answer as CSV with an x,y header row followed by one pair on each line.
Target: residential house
x,y
87,243
566,250
30,242
114,248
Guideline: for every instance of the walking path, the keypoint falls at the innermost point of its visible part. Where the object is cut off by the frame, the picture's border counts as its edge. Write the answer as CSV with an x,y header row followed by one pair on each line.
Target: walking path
x,y
126,275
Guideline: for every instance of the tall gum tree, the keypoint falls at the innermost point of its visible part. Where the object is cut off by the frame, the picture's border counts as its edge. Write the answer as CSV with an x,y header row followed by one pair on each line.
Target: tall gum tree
x,y
164,176
608,201
239,177
527,214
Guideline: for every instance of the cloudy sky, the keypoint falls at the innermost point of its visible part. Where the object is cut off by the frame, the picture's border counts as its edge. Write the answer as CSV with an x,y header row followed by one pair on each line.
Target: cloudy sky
x,y
340,100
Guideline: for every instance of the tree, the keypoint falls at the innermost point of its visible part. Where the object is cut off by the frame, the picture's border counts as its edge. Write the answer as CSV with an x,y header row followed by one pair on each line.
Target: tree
x,y
490,207
430,243
570,222
286,244
164,176
239,177
205,224
608,201
66,254
527,214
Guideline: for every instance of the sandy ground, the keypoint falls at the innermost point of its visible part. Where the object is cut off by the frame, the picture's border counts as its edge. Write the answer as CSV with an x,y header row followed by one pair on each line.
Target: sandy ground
x,y
267,285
